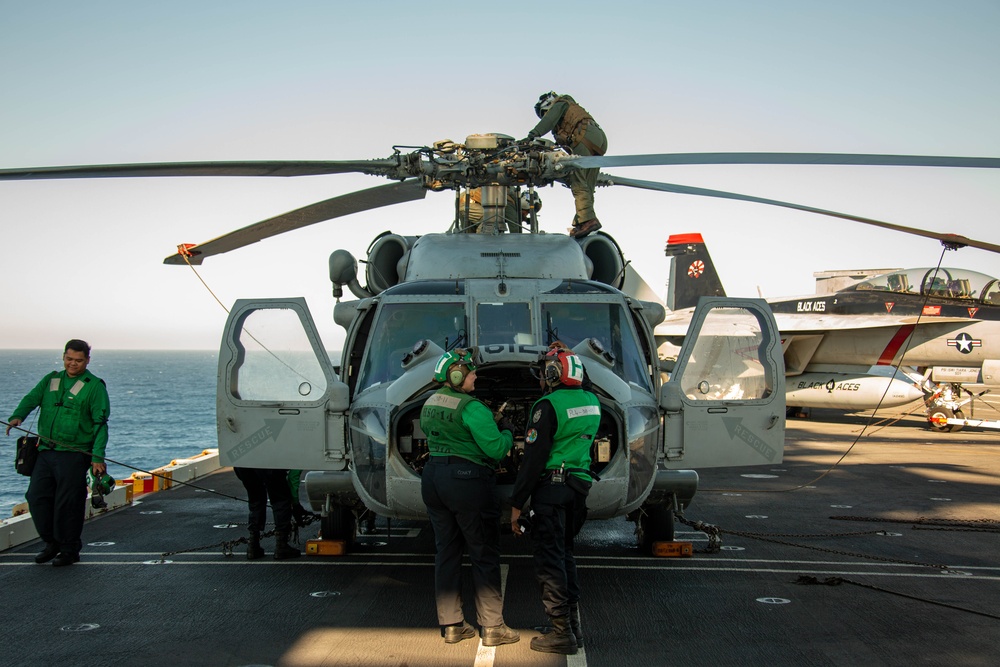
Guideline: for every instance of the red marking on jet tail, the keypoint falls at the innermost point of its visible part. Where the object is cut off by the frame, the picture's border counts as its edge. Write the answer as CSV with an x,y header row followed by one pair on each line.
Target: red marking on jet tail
x,y
889,353
683,239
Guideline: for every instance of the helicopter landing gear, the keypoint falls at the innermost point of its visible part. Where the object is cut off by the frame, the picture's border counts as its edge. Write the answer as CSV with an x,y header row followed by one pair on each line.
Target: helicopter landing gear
x,y
654,523
338,523
938,420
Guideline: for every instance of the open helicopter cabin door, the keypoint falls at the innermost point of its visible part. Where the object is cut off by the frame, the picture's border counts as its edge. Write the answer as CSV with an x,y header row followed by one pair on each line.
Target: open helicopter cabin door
x,y
278,403
724,404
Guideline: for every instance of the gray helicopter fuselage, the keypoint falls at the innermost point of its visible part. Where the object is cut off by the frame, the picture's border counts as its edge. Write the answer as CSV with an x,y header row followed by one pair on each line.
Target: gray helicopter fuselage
x,y
509,296
355,426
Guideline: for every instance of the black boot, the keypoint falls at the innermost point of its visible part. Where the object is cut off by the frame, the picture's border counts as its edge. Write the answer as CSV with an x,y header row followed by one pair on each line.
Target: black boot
x,y
574,624
560,640
282,549
254,550
51,551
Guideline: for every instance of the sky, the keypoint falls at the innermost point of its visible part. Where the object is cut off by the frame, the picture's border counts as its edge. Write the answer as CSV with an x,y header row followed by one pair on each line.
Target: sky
x,y
121,81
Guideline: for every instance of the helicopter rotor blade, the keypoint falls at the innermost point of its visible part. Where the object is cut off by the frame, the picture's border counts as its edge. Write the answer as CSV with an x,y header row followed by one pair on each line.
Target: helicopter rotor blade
x,y
954,240
354,202
248,168
852,159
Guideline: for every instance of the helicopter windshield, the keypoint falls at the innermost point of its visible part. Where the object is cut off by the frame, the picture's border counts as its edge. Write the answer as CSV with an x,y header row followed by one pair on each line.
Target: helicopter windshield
x,y
503,323
572,322
399,326
942,282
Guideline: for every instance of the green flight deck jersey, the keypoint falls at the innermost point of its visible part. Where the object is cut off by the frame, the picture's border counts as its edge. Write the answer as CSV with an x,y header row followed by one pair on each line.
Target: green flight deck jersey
x,y
457,424
74,413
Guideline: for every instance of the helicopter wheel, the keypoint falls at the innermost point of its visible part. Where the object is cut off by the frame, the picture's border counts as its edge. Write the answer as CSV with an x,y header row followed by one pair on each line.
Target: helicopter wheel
x,y
339,524
937,420
654,524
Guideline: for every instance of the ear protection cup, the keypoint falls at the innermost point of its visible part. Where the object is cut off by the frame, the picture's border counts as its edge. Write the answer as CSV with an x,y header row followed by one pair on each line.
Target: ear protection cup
x,y
562,367
552,373
453,367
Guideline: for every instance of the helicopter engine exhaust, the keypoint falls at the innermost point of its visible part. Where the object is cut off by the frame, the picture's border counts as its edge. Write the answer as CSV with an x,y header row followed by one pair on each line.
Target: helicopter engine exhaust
x,y
605,262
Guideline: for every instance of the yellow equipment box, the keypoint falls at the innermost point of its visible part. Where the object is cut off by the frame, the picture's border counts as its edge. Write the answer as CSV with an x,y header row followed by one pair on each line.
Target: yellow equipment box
x,y
673,549
326,547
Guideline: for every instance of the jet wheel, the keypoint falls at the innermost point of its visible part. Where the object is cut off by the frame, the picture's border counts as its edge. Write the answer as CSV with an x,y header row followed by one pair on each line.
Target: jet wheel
x,y
339,524
955,428
940,415
655,524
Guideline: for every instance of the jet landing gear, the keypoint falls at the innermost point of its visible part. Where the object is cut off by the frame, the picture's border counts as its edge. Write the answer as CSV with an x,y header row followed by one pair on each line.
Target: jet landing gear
x,y
945,404
938,419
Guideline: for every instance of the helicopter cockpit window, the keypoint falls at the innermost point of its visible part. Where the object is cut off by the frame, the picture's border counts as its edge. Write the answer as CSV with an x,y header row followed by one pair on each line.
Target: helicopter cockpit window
x,y
278,362
726,361
503,323
398,326
572,322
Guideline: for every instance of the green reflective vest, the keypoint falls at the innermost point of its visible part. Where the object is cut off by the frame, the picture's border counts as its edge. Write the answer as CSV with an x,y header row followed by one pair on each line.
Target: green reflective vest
x,y
457,424
578,414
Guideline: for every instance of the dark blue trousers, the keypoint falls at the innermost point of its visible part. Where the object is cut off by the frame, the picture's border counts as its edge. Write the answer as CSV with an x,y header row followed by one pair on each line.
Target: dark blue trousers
x,y
560,513
262,484
57,498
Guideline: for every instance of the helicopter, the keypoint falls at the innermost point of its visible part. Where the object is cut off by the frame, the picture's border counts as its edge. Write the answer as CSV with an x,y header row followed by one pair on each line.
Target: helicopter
x,y
354,425
884,341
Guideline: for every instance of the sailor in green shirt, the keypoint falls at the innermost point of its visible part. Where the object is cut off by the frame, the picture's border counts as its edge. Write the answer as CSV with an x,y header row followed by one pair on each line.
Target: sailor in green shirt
x,y
73,434
458,485
555,475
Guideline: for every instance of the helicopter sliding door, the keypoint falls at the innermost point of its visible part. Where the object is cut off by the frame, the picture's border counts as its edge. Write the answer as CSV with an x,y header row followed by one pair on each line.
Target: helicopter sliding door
x,y
278,403
724,404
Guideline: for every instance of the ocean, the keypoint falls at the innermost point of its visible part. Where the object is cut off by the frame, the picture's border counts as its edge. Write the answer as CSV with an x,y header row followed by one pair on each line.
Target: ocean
x,y
162,407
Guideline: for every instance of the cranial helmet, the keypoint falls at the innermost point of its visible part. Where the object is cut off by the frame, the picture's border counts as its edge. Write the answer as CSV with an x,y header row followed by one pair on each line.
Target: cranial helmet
x,y
530,200
454,366
561,367
100,485
545,102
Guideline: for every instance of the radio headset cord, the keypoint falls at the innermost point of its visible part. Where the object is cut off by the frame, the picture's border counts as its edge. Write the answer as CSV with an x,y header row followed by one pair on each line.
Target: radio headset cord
x,y
871,418
226,546
715,533
184,250
302,520
124,465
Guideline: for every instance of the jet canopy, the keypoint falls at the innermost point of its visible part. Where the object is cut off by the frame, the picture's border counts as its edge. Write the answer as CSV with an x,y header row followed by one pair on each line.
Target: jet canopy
x,y
936,282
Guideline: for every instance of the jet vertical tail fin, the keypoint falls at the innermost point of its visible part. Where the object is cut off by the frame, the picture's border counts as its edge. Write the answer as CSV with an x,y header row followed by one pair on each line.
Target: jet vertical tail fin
x,y
692,272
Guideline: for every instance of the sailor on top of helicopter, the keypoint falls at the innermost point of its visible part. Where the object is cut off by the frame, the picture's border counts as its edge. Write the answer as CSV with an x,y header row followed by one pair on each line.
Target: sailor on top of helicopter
x,y
578,132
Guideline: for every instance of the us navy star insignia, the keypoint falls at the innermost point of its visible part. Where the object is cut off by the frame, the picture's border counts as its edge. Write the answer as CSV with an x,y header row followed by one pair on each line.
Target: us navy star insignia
x,y
964,343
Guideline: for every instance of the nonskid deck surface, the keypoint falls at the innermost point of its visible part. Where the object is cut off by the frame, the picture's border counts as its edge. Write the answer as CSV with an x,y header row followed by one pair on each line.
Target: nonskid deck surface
x,y
910,591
